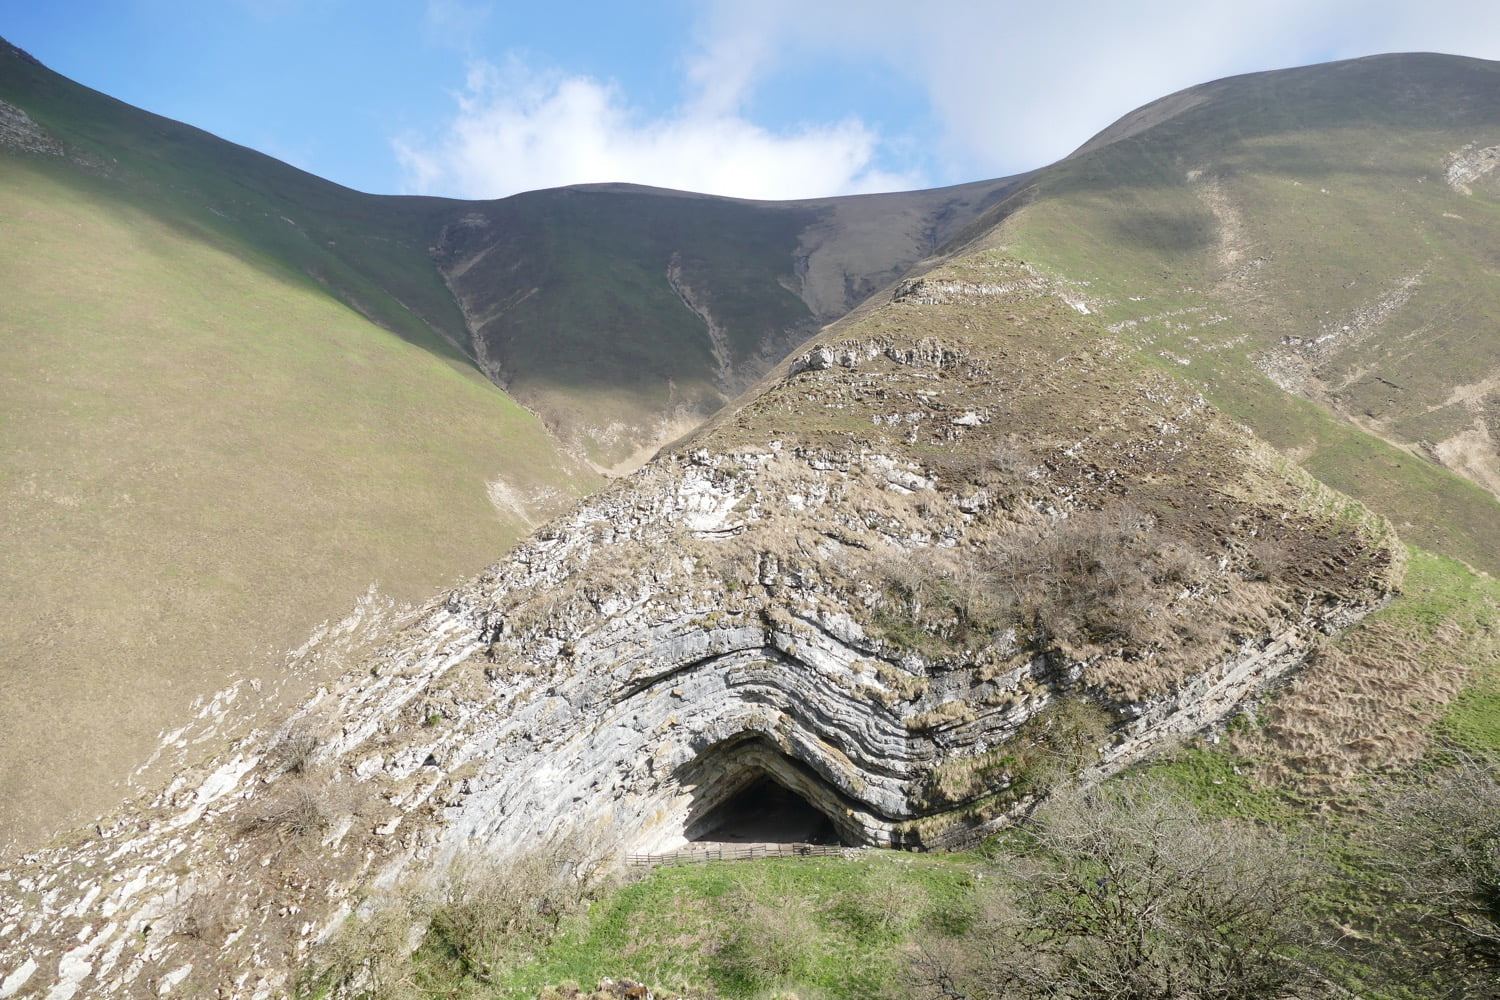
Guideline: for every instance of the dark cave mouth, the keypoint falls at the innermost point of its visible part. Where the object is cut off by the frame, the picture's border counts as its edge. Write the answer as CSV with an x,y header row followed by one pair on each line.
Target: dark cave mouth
x,y
764,811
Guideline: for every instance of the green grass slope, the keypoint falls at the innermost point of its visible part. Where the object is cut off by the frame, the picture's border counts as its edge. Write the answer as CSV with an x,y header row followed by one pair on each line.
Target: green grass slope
x,y
1314,247
237,395
366,251
206,453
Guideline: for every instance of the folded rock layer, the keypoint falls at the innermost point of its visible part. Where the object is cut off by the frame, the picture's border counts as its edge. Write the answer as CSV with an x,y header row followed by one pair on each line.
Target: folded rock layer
x,y
960,544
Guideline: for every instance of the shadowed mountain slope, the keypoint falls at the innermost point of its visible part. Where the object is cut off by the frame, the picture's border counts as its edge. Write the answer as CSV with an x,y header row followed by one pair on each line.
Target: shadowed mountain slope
x,y
625,315
205,454
590,304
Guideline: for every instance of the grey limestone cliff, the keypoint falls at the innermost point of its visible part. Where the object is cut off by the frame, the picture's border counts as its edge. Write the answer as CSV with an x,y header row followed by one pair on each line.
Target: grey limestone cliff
x,y
880,584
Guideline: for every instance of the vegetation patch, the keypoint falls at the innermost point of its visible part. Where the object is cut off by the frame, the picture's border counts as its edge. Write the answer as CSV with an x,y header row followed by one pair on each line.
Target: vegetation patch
x,y
1373,699
1123,889
1220,783
832,927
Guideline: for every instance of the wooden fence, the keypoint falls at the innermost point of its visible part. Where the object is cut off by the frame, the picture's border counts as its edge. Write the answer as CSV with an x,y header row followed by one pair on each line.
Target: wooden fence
x,y
730,852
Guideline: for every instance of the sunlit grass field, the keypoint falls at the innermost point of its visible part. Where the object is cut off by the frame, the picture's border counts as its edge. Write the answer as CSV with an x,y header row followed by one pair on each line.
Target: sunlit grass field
x,y
202,459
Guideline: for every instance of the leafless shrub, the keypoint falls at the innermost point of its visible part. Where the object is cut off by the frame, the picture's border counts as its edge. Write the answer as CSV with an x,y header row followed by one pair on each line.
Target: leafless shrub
x,y
495,912
1267,558
1439,846
1085,580
369,957
888,901
961,968
911,579
1178,562
1089,578
296,809
769,946
1054,746
940,596
296,746
1130,894
1114,581
977,603
736,567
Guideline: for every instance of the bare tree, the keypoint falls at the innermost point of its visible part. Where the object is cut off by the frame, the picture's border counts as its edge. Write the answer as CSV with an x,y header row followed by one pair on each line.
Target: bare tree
x,y
1440,851
1129,894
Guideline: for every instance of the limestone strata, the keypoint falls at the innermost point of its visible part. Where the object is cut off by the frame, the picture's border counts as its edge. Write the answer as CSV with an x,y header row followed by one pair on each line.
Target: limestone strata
x,y
756,605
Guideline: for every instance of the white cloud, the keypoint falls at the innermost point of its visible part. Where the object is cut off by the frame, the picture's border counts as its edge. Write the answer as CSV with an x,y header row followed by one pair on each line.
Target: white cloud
x,y
1016,86
517,130
1011,87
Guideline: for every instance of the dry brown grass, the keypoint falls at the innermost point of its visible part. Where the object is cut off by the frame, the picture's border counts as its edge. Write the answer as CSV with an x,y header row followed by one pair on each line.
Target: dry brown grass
x,y
1373,699
298,809
1364,706
295,746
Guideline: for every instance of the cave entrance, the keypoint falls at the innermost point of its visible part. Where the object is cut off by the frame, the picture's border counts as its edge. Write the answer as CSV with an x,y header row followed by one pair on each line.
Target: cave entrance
x,y
764,811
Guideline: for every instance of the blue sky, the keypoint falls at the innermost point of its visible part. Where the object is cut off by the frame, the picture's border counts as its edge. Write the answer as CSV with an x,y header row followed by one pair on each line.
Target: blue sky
x,y
767,99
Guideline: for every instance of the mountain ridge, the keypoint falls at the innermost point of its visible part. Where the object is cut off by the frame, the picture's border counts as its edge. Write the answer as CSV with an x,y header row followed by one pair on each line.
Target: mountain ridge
x,y
1232,236
1041,484
110,212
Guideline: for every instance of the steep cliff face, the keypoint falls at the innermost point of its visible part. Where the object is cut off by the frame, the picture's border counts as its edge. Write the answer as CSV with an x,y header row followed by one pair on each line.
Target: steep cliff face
x,y
890,583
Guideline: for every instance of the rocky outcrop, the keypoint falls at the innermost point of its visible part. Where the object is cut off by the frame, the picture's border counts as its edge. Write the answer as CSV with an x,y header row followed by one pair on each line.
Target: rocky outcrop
x,y
870,585
1462,167
19,131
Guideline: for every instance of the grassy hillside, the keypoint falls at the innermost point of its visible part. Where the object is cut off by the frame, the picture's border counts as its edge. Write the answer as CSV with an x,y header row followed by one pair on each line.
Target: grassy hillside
x,y
626,315
368,252
238,395
207,453
210,447
1325,232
